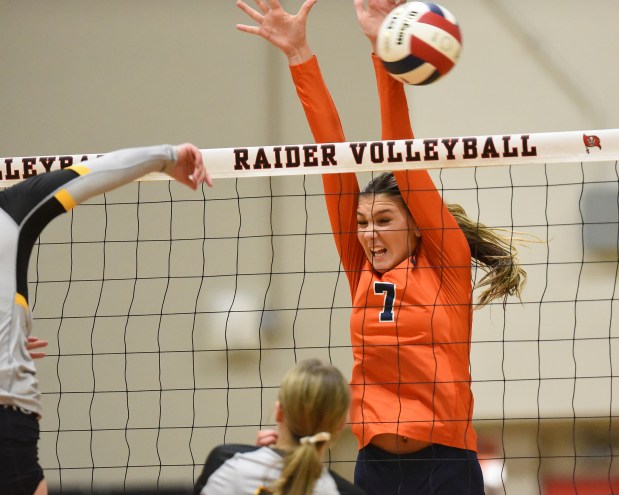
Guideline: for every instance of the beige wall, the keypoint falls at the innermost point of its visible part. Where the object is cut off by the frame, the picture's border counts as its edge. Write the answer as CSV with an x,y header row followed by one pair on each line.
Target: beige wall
x,y
94,76
84,76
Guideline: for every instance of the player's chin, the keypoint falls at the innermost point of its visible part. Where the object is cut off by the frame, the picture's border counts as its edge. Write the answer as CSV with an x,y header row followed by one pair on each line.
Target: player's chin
x,y
380,266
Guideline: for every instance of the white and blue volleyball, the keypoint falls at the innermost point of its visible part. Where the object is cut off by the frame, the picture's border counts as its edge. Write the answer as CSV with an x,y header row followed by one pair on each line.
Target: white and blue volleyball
x,y
419,42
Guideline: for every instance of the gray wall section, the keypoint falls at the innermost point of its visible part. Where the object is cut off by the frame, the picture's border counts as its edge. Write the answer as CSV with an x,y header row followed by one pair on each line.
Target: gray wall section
x,y
85,76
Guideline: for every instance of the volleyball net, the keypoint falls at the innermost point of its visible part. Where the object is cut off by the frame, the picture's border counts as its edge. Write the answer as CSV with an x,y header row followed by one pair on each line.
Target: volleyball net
x,y
172,315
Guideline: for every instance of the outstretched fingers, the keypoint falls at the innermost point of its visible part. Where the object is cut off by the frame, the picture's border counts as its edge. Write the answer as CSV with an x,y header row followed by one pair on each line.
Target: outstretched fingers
x,y
285,31
359,7
371,14
255,15
306,7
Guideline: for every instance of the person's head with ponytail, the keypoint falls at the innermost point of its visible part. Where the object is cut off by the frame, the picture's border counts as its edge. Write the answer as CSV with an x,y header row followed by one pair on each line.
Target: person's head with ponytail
x,y
311,411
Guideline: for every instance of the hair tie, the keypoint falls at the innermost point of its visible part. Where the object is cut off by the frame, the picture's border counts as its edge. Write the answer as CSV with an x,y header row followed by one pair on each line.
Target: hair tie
x,y
323,436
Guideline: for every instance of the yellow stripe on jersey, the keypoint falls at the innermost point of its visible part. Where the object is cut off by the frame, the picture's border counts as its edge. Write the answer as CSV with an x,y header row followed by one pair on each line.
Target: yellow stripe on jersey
x,y
79,169
65,199
21,300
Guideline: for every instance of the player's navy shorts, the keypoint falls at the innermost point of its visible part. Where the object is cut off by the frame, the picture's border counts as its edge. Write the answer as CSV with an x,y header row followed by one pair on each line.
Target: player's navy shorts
x,y
20,473
435,470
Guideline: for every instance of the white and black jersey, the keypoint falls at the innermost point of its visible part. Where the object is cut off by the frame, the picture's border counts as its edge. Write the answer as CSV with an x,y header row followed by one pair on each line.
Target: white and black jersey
x,y
25,210
249,470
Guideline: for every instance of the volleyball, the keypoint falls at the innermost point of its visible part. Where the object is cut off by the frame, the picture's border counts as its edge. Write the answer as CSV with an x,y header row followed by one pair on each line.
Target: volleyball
x,y
419,42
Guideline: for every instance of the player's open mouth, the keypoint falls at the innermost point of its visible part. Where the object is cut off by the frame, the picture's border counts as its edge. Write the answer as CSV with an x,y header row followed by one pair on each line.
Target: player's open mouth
x,y
378,252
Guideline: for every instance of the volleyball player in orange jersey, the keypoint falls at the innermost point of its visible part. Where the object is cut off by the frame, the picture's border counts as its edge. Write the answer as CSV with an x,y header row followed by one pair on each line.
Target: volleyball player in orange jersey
x,y
407,256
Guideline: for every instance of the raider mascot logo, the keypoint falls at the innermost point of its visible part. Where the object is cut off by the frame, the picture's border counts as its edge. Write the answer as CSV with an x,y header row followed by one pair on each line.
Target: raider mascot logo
x,y
591,142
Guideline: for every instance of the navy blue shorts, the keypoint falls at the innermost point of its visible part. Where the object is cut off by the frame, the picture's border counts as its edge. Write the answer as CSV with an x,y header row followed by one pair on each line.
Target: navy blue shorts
x,y
20,473
435,470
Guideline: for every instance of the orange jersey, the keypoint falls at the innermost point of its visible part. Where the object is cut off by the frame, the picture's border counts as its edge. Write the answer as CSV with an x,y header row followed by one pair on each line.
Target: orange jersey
x,y
411,326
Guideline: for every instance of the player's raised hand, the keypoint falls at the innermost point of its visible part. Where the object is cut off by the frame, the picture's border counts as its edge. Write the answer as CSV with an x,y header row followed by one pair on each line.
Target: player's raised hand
x,y
371,14
283,30
189,168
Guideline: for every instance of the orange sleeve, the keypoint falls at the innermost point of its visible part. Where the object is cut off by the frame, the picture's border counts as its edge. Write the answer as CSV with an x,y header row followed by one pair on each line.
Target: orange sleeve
x,y
442,237
341,190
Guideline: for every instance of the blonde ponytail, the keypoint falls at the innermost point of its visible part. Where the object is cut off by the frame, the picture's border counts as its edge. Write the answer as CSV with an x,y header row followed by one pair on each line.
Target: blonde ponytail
x,y
302,467
496,254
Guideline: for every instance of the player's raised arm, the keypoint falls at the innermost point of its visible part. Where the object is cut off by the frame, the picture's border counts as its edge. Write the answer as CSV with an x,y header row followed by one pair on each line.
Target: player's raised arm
x,y
25,210
183,163
287,32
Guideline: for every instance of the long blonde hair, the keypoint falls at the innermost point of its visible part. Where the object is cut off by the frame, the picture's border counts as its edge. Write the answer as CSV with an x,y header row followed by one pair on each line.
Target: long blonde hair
x,y
314,398
495,253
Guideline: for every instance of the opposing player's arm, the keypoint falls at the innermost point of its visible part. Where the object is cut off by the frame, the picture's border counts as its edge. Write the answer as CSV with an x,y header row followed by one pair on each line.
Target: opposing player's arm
x,y
35,202
80,182
183,163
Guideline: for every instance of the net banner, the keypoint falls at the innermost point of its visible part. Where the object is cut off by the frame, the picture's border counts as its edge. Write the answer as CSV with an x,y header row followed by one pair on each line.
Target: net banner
x,y
365,156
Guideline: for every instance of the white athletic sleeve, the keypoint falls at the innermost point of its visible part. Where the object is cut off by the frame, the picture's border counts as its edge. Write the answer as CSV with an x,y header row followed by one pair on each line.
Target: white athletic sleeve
x,y
118,168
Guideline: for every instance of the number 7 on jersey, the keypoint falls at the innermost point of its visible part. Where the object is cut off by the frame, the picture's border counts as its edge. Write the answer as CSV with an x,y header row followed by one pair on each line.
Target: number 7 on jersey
x,y
389,290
